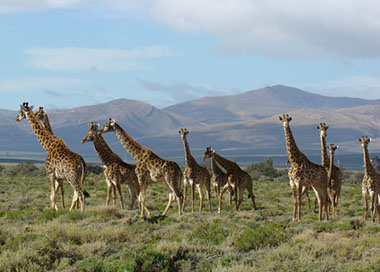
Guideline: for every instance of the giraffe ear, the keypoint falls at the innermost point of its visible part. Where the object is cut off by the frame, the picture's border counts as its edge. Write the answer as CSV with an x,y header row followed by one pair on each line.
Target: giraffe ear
x,y
360,140
112,123
97,125
31,107
370,140
280,118
290,119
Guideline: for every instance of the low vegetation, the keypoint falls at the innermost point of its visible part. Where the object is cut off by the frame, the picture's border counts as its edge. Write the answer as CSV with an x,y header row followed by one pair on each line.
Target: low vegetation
x,y
36,238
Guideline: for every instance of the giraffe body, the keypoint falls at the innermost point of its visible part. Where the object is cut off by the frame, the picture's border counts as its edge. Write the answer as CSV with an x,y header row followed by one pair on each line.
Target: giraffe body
x,y
61,162
237,179
370,183
219,179
304,173
195,175
335,179
150,168
116,171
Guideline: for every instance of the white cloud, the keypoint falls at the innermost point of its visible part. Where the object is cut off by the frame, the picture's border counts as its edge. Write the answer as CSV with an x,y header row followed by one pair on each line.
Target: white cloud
x,y
281,28
10,6
358,86
85,59
38,84
167,94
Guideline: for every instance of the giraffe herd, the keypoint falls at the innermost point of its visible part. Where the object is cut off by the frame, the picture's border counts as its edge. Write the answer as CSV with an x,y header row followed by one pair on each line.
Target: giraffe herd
x,y
61,163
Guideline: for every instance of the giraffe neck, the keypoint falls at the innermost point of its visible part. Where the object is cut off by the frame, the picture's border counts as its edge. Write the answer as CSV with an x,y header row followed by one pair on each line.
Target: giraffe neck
x,y
47,125
294,154
331,166
103,153
45,138
188,157
230,166
368,168
324,156
131,146
214,167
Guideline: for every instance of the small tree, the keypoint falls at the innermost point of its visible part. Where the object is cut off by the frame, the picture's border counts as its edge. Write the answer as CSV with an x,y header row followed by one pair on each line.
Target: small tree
x,y
265,168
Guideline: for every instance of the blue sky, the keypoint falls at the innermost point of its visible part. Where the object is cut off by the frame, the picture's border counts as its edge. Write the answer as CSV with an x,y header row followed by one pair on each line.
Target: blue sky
x,y
70,53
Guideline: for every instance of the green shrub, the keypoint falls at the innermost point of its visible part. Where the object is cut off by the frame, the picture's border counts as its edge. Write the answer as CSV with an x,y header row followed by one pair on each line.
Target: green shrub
x,y
265,168
95,169
208,233
270,235
25,168
151,260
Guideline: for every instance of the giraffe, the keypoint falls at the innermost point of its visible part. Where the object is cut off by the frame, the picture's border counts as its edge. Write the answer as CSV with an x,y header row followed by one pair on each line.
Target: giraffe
x,y
370,183
303,172
305,191
61,162
334,184
149,166
237,178
116,170
43,117
219,179
195,175
333,187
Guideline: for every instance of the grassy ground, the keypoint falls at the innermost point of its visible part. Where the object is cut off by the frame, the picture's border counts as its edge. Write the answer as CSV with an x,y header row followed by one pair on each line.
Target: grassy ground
x,y
35,238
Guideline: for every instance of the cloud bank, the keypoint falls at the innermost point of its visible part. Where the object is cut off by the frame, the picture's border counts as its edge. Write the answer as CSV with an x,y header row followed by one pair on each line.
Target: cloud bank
x,y
85,59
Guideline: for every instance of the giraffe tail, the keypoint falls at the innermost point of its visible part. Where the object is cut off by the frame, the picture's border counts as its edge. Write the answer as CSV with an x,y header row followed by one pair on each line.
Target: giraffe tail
x,y
83,175
86,194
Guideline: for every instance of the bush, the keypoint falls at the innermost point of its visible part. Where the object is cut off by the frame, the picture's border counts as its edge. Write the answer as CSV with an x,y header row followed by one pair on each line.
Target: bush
x,y
270,235
151,260
25,168
265,168
208,233
95,169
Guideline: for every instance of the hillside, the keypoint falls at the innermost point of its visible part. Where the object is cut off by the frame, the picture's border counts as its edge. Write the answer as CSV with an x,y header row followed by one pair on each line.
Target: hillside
x,y
239,127
259,104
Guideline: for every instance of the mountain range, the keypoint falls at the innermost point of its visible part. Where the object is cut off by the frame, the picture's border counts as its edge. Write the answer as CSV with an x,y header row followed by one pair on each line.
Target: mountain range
x,y
243,127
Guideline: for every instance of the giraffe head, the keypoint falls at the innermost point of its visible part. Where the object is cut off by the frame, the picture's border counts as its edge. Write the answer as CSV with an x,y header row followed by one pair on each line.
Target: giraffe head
x,y
183,132
322,129
40,113
364,141
92,130
332,148
208,153
109,126
285,118
24,110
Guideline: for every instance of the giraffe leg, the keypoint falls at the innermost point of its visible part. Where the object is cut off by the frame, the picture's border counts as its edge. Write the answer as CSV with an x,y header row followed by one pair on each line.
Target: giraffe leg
x,y
231,193
365,198
208,189
185,184
53,204
305,191
299,201
250,192
241,191
294,191
109,192
373,205
171,199
216,188
118,187
201,195
59,184
75,199
192,196
113,195
221,196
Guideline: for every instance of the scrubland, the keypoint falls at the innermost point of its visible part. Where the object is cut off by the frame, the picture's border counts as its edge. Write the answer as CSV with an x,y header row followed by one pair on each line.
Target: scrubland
x,y
36,238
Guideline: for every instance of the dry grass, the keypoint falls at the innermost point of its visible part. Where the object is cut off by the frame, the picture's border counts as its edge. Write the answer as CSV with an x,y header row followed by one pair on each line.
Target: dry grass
x,y
35,238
